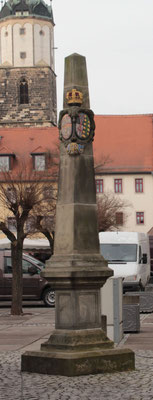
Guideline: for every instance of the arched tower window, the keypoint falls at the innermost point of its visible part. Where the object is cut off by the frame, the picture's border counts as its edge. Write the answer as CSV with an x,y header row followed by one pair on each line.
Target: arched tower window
x,y
24,98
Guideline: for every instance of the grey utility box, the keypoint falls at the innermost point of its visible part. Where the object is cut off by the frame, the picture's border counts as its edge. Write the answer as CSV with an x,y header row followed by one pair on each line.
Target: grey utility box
x,y
112,307
131,313
145,299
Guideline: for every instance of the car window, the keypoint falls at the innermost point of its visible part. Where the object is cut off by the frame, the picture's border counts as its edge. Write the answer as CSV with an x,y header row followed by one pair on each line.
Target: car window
x,y
7,265
35,261
25,265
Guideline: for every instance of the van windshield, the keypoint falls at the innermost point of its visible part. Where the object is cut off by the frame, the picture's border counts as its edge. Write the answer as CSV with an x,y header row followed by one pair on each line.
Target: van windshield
x,y
119,252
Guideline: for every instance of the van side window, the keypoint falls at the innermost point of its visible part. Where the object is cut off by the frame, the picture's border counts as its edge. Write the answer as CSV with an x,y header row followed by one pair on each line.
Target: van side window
x,y
7,265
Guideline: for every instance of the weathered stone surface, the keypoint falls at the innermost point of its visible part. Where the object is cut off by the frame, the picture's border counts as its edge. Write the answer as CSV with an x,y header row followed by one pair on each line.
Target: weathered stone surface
x,y
76,340
78,363
78,275
76,77
41,109
78,309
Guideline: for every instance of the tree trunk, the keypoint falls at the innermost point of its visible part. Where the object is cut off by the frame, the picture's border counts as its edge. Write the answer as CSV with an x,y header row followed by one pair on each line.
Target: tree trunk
x,y
17,281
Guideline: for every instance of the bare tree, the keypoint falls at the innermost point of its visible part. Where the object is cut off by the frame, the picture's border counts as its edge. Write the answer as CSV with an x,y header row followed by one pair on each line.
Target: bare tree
x,y
24,199
112,211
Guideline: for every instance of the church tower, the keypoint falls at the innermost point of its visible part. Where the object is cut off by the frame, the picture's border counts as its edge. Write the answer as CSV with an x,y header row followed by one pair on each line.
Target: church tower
x,y
27,70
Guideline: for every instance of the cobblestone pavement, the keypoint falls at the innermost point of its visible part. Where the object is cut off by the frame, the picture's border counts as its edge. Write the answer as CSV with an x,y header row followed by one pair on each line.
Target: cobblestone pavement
x,y
15,385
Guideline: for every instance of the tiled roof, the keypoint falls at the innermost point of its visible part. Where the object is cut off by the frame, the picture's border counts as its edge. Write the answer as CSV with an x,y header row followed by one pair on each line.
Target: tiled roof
x,y
6,150
121,143
124,142
22,142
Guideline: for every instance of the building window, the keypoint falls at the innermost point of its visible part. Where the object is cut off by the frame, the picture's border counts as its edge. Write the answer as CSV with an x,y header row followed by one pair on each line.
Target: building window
x,y
23,54
4,163
99,185
119,218
118,185
11,222
24,98
6,33
140,217
22,31
139,185
41,32
39,162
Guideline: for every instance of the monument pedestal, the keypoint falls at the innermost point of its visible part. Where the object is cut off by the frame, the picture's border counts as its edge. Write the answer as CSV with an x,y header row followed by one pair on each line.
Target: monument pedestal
x,y
78,345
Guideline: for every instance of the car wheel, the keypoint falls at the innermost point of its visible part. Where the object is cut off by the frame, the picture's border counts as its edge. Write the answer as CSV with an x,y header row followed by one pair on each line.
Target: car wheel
x,y
49,297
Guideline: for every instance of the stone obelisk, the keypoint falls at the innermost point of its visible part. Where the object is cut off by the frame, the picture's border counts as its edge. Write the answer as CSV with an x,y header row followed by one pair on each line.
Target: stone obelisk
x,y
77,270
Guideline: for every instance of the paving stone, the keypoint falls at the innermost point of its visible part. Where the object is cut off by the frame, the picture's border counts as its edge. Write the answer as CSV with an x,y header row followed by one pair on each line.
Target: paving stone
x,y
14,385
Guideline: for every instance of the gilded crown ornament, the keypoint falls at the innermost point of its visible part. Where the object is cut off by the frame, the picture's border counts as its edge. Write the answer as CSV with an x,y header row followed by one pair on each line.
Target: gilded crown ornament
x,y
74,97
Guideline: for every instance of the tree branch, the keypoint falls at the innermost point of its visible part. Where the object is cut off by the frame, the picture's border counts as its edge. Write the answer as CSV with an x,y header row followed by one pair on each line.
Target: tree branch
x,y
7,232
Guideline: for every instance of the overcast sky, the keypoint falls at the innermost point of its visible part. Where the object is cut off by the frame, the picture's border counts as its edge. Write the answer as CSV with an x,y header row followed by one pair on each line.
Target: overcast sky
x,y
116,37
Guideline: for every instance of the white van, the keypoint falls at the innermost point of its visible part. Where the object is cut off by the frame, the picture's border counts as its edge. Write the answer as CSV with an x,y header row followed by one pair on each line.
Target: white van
x,y
128,255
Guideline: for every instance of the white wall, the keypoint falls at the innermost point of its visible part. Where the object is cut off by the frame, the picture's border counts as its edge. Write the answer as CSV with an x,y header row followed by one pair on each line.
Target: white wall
x,y
6,44
23,43
39,48
42,44
137,201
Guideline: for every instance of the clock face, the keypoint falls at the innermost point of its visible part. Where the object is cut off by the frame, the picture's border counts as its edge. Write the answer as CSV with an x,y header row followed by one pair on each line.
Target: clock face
x,y
83,126
66,127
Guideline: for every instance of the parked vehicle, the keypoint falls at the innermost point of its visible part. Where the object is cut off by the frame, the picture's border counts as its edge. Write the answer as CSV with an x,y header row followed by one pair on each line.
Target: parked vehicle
x,y
128,254
38,248
35,287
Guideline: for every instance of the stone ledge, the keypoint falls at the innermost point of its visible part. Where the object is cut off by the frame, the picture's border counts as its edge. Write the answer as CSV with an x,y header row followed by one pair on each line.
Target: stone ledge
x,y
76,340
70,363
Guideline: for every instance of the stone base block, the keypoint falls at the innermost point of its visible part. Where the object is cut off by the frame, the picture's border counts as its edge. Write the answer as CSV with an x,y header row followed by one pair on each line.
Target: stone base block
x,y
77,340
78,363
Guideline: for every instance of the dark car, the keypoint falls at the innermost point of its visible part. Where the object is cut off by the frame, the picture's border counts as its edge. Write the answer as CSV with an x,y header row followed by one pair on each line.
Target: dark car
x,y
35,287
